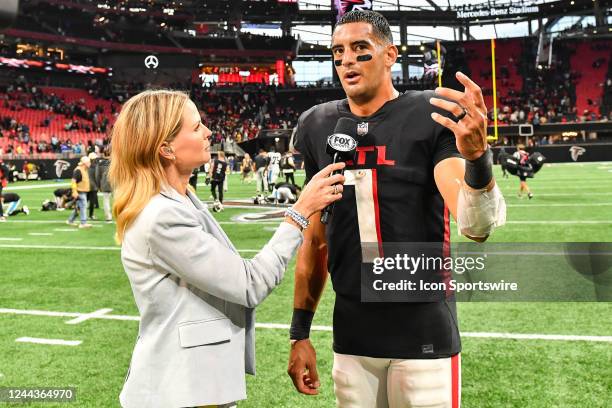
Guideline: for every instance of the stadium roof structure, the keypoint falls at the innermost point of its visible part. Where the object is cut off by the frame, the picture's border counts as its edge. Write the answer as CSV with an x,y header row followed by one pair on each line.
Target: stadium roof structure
x,y
412,12
221,29
464,13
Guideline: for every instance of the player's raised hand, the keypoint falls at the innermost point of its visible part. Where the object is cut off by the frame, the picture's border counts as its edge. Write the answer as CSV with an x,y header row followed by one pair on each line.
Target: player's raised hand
x,y
303,367
470,127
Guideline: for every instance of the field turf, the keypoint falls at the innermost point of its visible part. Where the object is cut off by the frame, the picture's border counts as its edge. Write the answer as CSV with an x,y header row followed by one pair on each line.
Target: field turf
x,y
48,266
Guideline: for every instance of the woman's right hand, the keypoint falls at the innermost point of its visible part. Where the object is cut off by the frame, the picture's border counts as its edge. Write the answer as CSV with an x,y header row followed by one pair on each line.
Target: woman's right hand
x,y
321,191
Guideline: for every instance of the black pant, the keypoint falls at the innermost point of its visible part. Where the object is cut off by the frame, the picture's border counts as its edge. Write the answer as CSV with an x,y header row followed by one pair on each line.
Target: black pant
x,y
289,176
1,209
193,180
214,185
92,199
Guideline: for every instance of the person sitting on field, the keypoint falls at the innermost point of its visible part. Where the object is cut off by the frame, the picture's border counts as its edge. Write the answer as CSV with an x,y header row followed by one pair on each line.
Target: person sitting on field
x,y
12,201
63,198
285,193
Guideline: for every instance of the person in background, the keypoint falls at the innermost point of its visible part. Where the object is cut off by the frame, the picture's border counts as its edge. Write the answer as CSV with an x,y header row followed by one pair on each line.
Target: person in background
x,y
288,167
523,157
13,200
246,169
217,178
500,160
285,193
101,175
274,159
193,180
63,198
80,188
92,196
261,165
4,172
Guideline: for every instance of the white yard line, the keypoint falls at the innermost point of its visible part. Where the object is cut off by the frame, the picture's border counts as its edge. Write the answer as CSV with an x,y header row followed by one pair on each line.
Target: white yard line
x,y
97,224
561,205
284,326
9,188
91,248
60,247
536,194
573,183
561,222
268,222
87,316
525,336
37,221
55,342
10,239
101,224
278,221
40,234
563,187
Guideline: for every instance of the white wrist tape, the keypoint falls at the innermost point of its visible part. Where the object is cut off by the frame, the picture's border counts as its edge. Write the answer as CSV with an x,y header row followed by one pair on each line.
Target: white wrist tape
x,y
480,211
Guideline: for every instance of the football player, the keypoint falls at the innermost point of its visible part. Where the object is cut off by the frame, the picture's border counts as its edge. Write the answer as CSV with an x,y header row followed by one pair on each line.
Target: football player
x,y
273,168
421,157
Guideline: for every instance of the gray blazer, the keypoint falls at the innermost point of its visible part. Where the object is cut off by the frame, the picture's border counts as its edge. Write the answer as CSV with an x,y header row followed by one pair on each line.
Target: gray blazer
x,y
196,297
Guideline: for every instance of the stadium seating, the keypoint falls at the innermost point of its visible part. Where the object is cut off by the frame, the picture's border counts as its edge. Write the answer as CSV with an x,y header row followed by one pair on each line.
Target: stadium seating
x,y
508,56
589,86
34,118
573,84
478,56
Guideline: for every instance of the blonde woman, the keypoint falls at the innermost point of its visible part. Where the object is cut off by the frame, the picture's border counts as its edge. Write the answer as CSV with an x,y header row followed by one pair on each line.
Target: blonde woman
x,y
195,294
246,167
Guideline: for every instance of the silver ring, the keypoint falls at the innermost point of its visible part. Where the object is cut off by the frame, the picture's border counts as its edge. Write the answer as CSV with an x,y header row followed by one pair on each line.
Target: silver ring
x,y
462,114
335,186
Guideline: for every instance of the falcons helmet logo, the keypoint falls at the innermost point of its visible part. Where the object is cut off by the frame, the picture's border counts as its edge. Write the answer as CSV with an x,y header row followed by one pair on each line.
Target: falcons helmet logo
x,y
576,151
60,167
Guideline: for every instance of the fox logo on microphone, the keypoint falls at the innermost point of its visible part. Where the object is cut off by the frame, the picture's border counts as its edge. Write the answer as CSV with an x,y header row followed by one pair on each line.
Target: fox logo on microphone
x,y
341,143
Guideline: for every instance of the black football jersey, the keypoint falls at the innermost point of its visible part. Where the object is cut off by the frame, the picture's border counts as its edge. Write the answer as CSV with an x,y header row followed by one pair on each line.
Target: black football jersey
x,y
219,169
389,196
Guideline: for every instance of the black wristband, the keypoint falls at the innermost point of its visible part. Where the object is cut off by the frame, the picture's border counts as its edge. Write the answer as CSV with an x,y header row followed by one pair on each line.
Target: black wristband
x,y
479,172
300,324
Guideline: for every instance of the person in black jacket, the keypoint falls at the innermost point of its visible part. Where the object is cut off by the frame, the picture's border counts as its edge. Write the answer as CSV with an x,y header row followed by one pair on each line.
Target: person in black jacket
x,y
4,172
92,196
101,177
217,177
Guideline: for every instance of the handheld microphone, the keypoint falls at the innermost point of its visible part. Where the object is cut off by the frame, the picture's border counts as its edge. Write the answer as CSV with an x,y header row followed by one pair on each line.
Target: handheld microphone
x,y
341,146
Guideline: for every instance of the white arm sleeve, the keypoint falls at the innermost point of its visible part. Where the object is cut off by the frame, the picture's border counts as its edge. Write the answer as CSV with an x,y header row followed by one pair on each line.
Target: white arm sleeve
x,y
479,212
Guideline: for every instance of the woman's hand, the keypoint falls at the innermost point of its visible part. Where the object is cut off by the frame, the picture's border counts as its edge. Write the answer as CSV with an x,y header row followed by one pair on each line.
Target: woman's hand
x,y
321,191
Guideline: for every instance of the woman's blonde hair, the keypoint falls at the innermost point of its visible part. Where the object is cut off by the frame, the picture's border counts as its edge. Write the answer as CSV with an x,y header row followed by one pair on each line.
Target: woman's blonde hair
x,y
146,121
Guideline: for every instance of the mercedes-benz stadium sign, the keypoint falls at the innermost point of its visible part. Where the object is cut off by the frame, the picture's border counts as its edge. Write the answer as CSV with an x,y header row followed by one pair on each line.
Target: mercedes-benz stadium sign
x,y
498,11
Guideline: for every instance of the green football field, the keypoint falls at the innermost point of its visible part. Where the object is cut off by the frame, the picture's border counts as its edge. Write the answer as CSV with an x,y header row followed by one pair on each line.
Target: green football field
x,y
58,282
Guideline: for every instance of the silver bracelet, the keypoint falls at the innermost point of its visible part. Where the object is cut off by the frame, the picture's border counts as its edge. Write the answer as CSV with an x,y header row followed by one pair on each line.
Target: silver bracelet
x,y
297,217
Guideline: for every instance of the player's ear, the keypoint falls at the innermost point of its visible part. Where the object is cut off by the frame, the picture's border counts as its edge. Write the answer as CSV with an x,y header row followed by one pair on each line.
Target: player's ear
x,y
391,54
